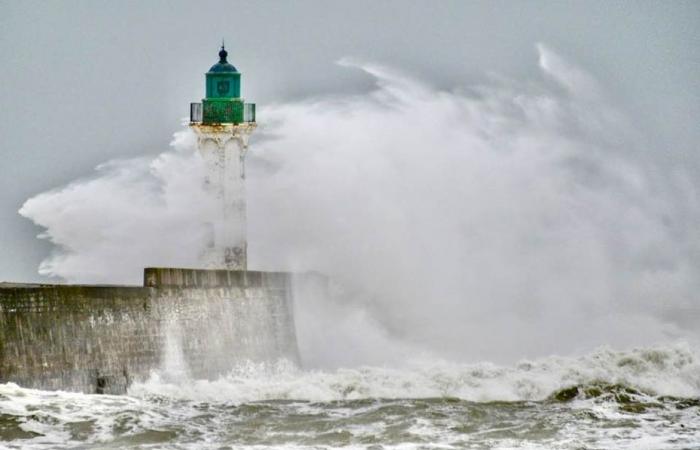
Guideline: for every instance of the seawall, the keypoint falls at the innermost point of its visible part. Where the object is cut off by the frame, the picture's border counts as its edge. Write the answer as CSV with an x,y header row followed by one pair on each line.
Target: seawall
x,y
100,339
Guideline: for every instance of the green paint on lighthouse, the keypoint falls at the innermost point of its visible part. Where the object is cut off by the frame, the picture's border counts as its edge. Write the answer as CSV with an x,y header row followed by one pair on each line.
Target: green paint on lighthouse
x,y
223,103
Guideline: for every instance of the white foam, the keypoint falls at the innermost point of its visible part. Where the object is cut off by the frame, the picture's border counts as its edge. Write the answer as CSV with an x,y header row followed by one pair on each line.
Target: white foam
x,y
204,412
670,370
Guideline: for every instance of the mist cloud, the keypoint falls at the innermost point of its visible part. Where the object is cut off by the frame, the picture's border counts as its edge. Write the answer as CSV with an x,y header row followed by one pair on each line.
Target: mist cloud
x,y
506,219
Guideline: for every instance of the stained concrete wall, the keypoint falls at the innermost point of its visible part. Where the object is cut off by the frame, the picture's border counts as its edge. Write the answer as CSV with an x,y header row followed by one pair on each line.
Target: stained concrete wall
x,y
102,338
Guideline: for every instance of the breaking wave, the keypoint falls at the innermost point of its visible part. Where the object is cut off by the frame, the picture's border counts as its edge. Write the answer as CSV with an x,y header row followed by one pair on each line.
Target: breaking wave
x,y
644,398
662,371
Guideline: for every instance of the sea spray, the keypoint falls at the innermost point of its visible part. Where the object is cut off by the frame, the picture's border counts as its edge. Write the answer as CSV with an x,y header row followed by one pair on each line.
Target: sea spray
x,y
174,365
210,331
486,222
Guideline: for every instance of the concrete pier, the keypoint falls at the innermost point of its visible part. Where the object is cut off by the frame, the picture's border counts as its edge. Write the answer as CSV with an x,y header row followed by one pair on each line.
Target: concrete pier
x,y
100,339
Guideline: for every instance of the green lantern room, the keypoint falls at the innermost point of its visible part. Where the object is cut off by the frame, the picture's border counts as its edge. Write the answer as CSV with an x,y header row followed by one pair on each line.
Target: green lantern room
x,y
223,103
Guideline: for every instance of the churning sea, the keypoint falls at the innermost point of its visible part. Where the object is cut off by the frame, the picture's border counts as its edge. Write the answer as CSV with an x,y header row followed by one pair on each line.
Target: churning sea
x,y
639,399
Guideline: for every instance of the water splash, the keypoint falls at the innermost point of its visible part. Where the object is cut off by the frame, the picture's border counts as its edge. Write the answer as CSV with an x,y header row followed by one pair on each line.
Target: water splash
x,y
492,221
174,365
656,371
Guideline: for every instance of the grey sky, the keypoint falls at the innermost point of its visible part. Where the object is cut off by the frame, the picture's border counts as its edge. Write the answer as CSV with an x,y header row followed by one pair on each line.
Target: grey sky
x,y
84,82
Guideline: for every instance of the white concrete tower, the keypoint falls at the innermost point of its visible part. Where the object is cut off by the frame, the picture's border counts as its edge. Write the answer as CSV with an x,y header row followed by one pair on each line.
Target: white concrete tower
x,y
223,123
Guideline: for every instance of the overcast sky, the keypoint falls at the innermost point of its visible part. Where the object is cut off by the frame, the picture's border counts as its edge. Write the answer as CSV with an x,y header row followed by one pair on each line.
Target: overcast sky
x,y
82,82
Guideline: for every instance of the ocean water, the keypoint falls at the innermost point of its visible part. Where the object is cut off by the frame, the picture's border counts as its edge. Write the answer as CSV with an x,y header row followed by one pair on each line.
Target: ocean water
x,y
642,399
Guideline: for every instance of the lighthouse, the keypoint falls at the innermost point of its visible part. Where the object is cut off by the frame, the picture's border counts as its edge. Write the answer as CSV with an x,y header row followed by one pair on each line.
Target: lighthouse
x,y
223,123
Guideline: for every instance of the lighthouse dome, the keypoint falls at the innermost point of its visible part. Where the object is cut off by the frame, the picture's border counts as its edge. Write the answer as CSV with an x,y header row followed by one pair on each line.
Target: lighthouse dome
x,y
223,65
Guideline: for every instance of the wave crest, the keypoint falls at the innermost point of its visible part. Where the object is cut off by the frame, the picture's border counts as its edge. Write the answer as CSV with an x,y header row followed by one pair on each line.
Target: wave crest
x,y
605,373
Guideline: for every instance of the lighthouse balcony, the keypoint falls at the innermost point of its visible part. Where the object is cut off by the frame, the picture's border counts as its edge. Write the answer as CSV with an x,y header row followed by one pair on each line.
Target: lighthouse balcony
x,y
222,112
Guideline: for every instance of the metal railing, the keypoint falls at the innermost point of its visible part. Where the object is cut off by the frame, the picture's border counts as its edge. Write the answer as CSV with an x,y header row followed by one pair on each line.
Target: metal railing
x,y
249,112
232,115
195,112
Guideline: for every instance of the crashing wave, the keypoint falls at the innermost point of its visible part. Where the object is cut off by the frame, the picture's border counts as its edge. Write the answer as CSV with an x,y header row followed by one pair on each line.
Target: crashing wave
x,y
645,398
672,371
